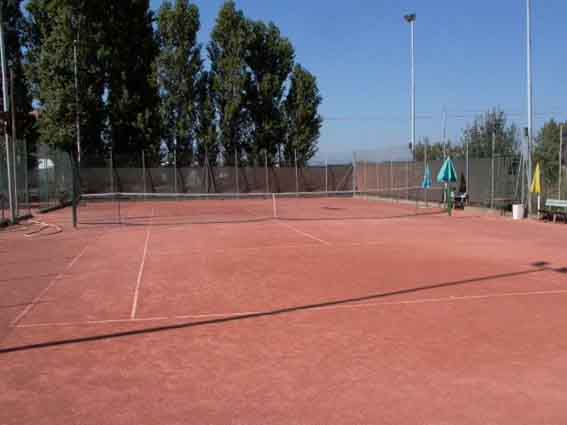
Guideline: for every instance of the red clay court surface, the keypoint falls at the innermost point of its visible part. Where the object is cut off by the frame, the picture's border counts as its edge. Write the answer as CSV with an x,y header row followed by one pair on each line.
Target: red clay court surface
x,y
424,320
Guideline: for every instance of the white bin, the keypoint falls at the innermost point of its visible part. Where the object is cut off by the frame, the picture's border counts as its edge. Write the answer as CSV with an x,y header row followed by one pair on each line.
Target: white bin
x,y
518,212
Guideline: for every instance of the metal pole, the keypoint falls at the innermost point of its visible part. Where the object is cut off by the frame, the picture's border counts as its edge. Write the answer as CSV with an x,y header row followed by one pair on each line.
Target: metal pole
x,y
175,167
144,172
354,173
327,174
492,172
77,112
236,170
296,174
392,180
530,97
112,189
444,133
9,165
14,140
560,159
267,173
412,25
467,168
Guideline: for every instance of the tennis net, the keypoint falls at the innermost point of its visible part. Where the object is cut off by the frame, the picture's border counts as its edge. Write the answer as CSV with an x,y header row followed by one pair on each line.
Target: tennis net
x,y
182,208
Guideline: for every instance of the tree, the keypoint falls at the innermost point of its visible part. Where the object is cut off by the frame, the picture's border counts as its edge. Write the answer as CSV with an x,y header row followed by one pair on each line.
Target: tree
x,y
206,131
229,79
546,150
478,135
51,69
53,27
14,32
179,66
130,52
437,151
270,58
303,119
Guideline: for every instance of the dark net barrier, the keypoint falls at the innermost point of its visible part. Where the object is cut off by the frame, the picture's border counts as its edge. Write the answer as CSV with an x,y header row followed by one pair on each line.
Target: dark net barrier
x,y
169,179
183,208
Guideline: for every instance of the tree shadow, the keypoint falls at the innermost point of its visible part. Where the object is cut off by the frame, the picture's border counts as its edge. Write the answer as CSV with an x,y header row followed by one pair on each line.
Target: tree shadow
x,y
273,313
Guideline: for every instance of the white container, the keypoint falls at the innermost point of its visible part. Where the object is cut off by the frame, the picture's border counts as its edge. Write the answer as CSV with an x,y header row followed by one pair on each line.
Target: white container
x,y
518,212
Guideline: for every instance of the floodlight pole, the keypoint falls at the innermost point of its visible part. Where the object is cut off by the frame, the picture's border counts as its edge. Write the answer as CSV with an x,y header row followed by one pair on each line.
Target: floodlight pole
x,y
9,165
411,20
560,159
530,98
77,113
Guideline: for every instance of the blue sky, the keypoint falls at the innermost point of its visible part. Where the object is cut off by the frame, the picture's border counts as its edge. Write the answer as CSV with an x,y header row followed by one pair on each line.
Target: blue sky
x,y
470,56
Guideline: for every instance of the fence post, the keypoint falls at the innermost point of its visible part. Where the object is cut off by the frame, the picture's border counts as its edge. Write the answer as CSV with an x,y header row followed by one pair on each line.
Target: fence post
x,y
560,160
392,180
236,170
327,174
144,173
175,168
266,170
111,168
354,173
492,177
407,179
296,173
467,172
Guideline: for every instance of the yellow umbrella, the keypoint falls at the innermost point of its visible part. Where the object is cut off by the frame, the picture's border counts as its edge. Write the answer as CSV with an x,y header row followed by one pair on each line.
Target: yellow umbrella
x,y
536,182
536,186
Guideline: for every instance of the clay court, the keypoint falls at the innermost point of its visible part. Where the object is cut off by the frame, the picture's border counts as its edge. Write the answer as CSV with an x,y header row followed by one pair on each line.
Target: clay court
x,y
417,319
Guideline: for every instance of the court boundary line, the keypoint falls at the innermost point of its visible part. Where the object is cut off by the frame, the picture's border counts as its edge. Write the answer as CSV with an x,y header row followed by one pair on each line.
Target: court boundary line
x,y
51,284
354,305
141,272
307,235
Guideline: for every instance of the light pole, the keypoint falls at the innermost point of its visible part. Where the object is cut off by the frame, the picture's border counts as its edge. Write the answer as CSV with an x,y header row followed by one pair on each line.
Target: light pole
x,y
560,158
411,20
530,99
10,165
77,112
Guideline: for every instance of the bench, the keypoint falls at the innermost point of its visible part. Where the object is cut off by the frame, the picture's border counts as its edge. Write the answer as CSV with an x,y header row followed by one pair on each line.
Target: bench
x,y
555,208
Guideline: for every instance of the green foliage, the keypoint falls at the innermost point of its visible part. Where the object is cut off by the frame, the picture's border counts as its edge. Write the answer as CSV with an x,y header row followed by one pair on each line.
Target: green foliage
x,y
478,135
141,87
51,69
438,150
133,95
270,58
179,66
546,150
229,77
303,119
206,130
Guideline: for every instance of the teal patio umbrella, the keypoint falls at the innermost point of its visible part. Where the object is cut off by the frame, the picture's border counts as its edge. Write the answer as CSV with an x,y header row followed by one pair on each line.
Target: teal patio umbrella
x,y
447,175
427,183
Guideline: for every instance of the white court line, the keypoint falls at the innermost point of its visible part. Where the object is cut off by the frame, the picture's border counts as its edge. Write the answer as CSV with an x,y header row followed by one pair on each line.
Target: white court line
x,y
36,300
353,305
308,235
141,270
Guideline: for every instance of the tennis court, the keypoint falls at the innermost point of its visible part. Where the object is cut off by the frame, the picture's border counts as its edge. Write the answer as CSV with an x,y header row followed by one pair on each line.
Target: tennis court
x,y
334,309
